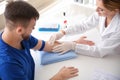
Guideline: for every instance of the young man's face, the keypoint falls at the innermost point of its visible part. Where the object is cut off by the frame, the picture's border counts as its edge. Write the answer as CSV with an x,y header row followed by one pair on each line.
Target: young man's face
x,y
101,10
28,30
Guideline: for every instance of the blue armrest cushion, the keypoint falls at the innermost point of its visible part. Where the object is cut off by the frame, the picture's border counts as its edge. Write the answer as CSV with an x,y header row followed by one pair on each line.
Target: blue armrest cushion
x,y
48,58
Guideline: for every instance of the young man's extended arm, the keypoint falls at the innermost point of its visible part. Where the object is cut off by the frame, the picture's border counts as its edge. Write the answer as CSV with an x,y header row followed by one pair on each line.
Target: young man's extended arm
x,y
48,47
44,46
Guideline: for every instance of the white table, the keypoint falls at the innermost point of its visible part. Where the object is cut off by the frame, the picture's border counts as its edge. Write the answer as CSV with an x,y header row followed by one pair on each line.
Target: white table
x,y
86,65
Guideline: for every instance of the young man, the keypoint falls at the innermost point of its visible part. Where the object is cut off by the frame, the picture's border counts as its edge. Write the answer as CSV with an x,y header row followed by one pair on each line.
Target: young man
x,y
16,62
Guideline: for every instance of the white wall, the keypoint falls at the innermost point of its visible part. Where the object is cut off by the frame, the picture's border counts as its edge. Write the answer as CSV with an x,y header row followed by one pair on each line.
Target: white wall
x,y
2,22
38,4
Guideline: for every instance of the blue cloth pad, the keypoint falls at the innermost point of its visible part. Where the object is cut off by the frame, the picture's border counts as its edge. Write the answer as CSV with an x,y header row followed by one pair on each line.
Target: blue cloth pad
x,y
48,58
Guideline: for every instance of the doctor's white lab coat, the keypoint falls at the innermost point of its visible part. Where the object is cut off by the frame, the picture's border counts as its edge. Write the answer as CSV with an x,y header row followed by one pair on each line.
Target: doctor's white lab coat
x,y
110,36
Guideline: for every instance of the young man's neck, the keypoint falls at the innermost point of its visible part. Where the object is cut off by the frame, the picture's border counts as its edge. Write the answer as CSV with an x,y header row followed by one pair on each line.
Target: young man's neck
x,y
11,39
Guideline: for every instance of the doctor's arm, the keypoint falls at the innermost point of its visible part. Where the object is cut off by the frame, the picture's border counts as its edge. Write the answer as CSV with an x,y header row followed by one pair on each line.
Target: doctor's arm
x,y
80,28
106,47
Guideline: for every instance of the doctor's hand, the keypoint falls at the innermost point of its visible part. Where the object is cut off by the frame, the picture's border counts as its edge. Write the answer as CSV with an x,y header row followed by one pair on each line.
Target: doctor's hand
x,y
82,40
55,37
64,47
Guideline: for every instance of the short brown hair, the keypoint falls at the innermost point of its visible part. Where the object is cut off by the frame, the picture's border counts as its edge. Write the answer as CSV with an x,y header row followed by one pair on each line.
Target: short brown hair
x,y
20,12
112,4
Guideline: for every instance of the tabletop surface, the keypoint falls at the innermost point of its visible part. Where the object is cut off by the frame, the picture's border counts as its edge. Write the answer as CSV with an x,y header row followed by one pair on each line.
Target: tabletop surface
x,y
87,65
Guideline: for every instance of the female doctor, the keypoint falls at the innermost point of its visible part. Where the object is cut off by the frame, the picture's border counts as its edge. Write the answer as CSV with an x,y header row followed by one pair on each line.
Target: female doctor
x,y
107,17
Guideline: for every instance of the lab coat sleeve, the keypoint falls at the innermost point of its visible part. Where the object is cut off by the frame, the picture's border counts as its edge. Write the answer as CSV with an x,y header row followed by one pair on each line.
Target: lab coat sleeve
x,y
83,26
106,47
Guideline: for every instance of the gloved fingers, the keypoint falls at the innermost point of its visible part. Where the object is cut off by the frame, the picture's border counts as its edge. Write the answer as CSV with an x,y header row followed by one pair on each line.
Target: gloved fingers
x,y
61,42
57,48
63,52
52,40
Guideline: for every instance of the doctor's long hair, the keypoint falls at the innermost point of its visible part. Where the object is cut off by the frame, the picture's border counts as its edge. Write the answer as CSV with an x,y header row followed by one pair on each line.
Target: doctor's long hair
x,y
112,4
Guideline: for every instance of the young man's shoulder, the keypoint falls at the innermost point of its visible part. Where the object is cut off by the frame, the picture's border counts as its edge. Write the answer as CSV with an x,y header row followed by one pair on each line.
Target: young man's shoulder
x,y
6,56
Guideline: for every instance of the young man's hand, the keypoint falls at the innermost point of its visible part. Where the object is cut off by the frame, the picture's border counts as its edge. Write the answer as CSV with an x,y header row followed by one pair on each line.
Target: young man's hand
x,y
66,73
